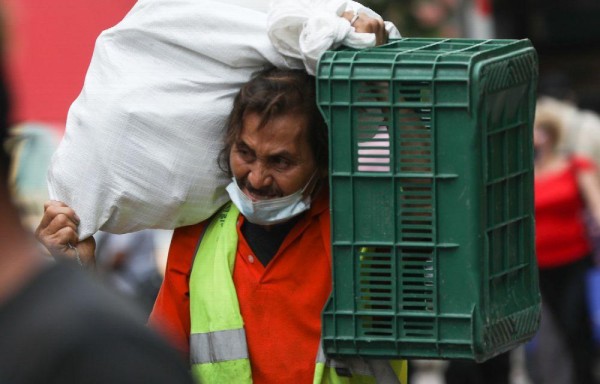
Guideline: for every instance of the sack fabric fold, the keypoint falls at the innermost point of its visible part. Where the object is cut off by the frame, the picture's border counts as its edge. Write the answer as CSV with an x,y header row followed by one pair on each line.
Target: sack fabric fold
x,y
142,138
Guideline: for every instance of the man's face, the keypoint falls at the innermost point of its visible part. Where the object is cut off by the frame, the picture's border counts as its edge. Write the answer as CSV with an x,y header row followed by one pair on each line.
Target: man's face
x,y
274,160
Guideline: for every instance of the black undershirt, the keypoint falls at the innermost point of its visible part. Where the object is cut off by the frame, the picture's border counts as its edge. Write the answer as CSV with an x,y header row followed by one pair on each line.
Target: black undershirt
x,y
266,240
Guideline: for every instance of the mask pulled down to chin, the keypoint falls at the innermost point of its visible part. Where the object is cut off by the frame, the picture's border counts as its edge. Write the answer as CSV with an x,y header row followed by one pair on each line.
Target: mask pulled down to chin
x,y
271,211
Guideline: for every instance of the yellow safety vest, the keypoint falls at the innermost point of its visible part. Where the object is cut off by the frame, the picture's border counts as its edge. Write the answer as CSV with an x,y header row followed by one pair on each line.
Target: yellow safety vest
x,y
218,349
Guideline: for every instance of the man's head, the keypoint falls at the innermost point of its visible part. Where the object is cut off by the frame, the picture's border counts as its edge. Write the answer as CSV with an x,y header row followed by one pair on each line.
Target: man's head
x,y
276,140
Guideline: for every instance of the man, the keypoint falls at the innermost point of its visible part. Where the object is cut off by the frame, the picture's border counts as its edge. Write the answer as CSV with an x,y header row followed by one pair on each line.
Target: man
x,y
58,326
276,147
244,290
262,263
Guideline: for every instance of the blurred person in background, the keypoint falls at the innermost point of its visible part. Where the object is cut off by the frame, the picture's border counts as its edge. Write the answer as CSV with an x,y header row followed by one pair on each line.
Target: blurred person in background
x,y
581,128
565,187
546,361
59,326
127,262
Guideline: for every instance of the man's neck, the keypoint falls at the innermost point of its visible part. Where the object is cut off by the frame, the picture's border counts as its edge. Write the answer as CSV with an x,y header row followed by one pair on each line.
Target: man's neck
x,y
265,240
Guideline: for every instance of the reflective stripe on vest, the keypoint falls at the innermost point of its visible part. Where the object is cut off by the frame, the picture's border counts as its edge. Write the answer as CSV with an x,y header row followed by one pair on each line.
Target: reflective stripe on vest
x,y
215,347
218,349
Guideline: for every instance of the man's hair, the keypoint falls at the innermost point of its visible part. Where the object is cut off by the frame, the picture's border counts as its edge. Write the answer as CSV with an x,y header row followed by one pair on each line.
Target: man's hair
x,y
274,93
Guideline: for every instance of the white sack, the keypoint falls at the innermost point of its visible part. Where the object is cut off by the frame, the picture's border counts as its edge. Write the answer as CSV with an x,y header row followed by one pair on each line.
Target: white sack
x,y
142,139
304,29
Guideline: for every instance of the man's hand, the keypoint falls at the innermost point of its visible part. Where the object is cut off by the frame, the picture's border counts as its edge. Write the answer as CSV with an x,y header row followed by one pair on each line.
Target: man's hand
x,y
367,24
57,231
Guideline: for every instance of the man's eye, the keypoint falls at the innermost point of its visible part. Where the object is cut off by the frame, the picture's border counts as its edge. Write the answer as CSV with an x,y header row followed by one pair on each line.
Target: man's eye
x,y
281,162
244,153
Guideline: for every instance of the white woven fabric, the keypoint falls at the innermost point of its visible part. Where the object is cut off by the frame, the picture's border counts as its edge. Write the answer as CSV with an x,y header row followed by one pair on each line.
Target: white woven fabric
x,y
142,139
304,29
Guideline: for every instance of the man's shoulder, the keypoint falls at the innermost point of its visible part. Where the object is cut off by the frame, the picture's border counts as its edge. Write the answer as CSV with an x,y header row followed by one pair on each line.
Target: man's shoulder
x,y
188,236
195,230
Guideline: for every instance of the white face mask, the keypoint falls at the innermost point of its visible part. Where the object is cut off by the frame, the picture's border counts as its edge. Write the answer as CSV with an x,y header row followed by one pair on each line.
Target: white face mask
x,y
270,211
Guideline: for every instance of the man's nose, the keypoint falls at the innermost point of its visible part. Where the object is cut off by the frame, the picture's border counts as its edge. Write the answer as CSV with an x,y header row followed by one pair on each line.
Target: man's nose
x,y
259,176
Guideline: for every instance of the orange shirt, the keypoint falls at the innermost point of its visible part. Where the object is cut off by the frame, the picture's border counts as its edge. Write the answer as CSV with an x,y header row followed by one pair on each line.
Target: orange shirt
x,y
281,304
561,234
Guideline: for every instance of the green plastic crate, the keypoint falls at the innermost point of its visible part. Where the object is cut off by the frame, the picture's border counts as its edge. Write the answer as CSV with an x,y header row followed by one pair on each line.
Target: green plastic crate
x,y
431,173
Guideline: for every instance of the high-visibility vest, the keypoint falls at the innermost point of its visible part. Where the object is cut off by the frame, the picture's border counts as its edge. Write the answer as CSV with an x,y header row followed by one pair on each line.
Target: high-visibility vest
x,y
218,349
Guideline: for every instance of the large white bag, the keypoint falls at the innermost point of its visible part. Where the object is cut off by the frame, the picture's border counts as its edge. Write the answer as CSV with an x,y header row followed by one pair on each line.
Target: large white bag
x,y
142,139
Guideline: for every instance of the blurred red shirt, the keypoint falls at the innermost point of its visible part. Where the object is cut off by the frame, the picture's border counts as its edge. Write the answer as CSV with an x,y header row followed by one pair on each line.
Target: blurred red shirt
x,y
561,234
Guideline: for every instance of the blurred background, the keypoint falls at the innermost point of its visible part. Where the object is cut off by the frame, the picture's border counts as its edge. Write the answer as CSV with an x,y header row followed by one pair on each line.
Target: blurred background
x,y
49,44
566,34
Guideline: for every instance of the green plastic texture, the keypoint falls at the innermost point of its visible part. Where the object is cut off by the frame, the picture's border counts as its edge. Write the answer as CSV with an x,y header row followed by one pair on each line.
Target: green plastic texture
x,y
432,217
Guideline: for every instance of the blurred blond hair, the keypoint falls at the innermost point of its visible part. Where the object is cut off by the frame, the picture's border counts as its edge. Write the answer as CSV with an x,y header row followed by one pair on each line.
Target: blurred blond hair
x,y
549,121
580,128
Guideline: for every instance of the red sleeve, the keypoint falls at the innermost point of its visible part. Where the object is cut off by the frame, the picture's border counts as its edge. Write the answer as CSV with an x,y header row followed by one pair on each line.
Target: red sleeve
x,y
583,163
171,313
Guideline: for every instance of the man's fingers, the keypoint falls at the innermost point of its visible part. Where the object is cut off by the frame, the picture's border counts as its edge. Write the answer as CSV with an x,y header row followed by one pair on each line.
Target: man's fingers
x,y
52,206
366,24
348,15
61,238
57,229
53,203
53,209
382,35
60,224
53,223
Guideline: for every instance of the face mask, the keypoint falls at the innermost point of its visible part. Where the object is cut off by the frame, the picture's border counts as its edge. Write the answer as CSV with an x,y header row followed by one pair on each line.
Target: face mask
x,y
271,211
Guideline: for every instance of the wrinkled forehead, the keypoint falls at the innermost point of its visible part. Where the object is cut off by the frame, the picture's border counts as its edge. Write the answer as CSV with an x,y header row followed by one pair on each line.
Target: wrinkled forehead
x,y
289,124
275,127
265,117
